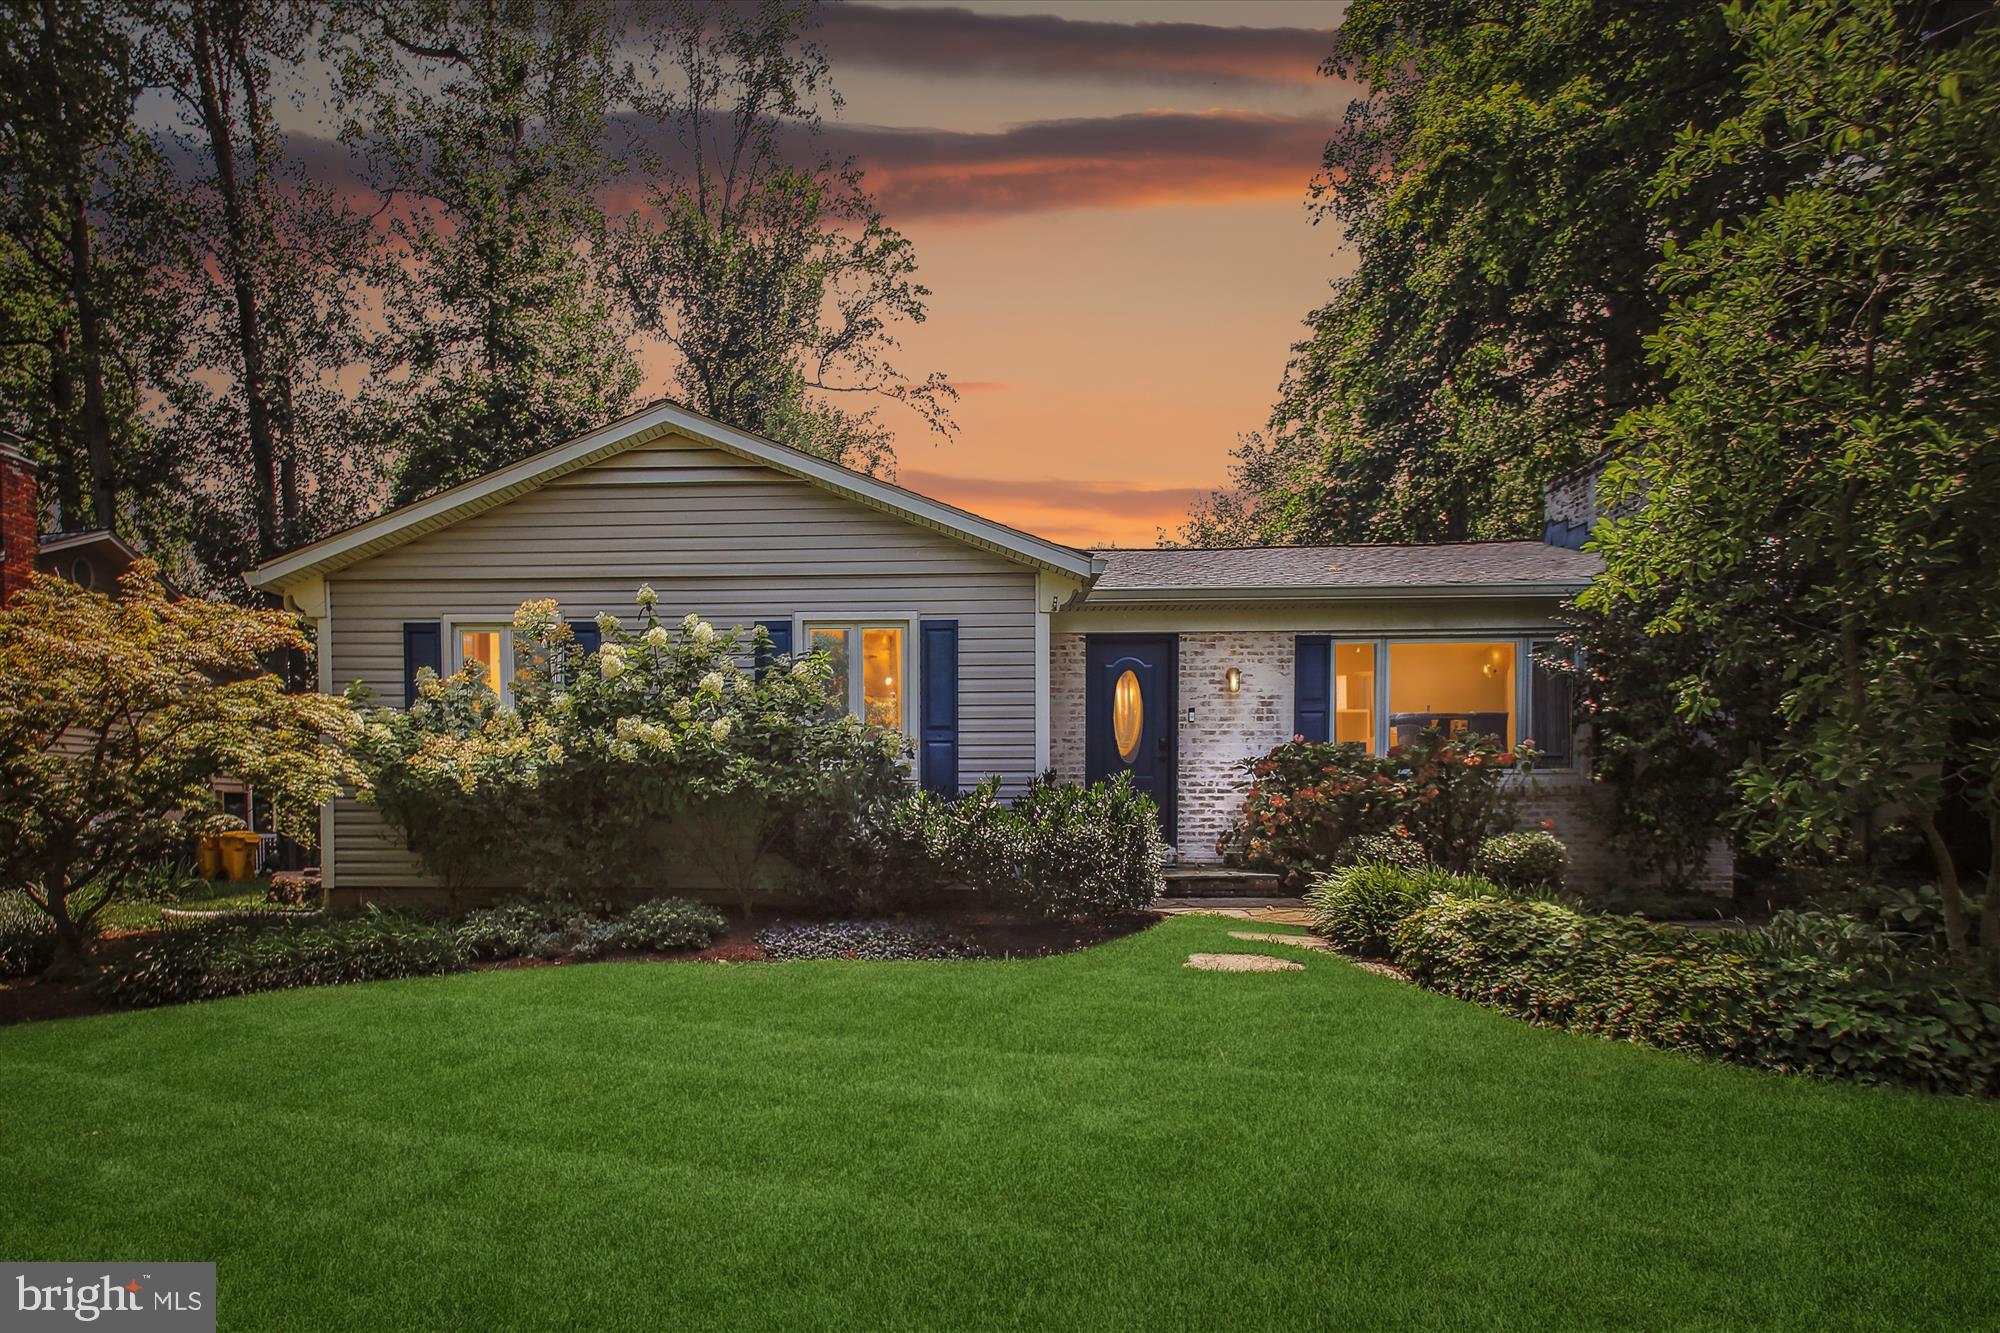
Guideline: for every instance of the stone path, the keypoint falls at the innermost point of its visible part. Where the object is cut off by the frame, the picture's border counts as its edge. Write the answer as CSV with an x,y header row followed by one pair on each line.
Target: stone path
x,y
1240,962
1272,937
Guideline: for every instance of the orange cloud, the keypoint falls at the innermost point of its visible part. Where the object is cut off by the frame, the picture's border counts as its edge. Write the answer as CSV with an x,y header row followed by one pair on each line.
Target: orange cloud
x,y
1076,513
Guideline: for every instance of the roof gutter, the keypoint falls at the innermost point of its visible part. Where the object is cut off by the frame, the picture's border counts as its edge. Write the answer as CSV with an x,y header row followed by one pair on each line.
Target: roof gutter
x,y
1101,596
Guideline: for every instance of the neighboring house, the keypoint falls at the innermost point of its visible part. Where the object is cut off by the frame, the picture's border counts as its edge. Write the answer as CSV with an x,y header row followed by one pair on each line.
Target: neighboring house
x,y
93,559
996,652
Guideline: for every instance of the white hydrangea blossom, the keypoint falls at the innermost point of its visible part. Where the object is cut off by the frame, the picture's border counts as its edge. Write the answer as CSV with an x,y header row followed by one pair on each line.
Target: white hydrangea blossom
x,y
656,637
611,662
703,631
647,597
561,703
607,623
689,621
554,754
626,728
711,683
682,709
720,728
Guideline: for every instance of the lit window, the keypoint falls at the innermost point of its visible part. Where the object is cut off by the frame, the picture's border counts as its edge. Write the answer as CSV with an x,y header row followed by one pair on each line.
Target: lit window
x,y
1462,689
875,691
1354,693
488,648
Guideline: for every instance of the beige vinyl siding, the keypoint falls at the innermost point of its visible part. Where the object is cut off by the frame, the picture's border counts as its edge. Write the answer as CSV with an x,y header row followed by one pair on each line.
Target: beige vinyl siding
x,y
714,534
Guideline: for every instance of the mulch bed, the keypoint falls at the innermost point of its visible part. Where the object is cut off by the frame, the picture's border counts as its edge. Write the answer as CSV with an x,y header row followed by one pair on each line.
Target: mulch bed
x,y
29,1000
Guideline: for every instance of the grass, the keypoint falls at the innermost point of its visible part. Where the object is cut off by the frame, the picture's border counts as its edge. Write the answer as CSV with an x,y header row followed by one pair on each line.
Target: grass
x,y
1098,1139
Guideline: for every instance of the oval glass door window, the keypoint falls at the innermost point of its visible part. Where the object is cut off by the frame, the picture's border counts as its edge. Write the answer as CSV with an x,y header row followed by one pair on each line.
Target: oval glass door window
x,y
1128,716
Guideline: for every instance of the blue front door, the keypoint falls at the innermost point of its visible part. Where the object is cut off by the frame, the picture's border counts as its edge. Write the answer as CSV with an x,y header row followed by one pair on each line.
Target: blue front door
x,y
1130,714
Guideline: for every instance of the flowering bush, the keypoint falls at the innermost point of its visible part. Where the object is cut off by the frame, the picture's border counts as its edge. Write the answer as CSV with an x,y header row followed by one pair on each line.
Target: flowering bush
x,y
1307,800
656,749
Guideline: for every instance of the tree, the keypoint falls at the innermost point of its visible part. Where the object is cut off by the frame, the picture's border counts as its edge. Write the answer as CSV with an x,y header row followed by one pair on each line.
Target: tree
x,y
1819,491
766,265
485,123
1497,184
274,275
116,713
89,298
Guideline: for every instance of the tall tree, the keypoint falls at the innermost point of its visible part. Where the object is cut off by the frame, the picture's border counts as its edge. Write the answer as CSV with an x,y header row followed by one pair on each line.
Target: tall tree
x,y
276,296
1819,492
485,124
87,306
1496,183
764,263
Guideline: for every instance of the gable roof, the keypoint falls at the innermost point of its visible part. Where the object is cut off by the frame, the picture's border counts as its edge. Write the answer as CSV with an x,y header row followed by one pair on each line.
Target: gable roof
x,y
408,522
1314,573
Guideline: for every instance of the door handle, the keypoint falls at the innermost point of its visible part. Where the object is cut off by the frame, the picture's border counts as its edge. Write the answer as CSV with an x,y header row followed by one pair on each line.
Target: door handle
x,y
1160,749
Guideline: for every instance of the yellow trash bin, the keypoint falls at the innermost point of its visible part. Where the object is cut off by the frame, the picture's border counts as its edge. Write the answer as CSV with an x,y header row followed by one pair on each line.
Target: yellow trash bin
x,y
208,855
239,855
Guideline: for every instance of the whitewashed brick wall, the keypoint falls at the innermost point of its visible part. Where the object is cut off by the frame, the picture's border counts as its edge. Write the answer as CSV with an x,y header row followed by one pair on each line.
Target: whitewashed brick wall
x,y
1066,706
1219,729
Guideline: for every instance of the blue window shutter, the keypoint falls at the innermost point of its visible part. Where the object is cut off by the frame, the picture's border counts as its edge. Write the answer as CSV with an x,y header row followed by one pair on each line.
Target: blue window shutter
x,y
781,643
937,738
589,638
423,646
1312,683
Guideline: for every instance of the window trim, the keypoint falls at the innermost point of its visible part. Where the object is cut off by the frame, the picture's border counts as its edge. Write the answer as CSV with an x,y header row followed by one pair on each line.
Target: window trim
x,y
906,621
1523,641
453,648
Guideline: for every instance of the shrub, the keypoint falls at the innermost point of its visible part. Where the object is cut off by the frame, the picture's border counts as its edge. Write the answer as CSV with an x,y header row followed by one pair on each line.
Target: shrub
x,y
1833,998
662,925
206,961
27,937
508,929
1359,907
855,834
1308,801
1530,861
888,941
1396,849
1060,850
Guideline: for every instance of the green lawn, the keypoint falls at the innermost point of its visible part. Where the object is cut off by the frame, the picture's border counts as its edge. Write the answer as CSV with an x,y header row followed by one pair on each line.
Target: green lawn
x,y
1102,1138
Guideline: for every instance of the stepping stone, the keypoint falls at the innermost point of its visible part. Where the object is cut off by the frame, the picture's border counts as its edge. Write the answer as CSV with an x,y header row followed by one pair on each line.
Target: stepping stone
x,y
1240,962
1272,937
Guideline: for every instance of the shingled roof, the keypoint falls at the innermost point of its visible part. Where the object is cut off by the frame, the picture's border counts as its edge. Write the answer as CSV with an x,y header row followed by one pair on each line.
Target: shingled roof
x,y
1308,573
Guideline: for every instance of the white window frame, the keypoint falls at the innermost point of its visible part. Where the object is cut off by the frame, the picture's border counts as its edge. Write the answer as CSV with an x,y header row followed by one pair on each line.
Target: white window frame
x,y
454,648
906,621
1523,677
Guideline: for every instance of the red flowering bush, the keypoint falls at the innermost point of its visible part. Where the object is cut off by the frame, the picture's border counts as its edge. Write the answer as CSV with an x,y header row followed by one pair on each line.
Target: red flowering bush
x,y
1307,801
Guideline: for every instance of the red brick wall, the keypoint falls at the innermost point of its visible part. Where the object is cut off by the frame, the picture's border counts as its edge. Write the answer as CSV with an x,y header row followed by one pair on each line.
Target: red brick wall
x,y
20,521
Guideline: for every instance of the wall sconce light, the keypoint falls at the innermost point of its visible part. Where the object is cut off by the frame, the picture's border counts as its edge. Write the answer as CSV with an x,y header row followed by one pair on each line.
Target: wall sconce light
x,y
1232,681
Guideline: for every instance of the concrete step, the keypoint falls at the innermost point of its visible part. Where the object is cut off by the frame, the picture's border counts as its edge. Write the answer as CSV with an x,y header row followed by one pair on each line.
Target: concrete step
x,y
1220,882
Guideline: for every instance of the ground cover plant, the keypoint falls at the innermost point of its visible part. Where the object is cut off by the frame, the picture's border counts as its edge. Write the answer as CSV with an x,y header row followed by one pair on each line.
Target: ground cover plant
x,y
880,941
1104,1138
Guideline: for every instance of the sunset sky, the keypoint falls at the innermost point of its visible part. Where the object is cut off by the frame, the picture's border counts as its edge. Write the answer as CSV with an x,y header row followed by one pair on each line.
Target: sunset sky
x,y
1107,201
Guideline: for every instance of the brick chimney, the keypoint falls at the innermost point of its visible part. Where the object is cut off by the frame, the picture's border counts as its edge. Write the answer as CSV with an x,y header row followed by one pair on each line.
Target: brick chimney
x,y
20,518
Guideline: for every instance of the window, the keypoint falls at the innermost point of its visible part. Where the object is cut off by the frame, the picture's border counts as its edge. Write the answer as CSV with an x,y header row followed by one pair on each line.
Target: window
x,y
870,668
1354,693
491,649
1463,689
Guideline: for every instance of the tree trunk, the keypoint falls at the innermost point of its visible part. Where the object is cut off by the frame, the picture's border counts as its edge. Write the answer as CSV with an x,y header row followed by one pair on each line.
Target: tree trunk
x,y
95,427
238,258
1989,909
71,961
1948,886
